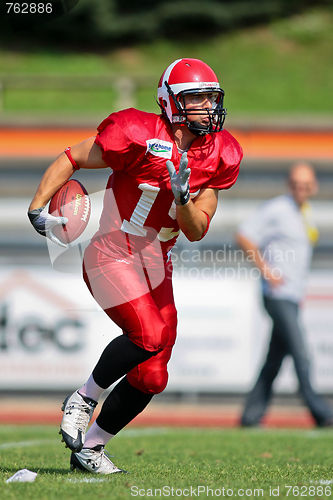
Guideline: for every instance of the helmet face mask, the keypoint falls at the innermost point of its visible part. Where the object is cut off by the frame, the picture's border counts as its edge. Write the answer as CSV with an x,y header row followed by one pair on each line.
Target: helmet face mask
x,y
189,89
196,98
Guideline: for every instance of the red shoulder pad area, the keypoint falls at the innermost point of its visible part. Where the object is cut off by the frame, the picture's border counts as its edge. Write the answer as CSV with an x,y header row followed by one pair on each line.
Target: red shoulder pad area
x,y
231,154
122,136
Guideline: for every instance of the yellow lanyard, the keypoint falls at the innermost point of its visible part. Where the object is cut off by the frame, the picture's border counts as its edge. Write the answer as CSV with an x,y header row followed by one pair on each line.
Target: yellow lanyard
x,y
311,230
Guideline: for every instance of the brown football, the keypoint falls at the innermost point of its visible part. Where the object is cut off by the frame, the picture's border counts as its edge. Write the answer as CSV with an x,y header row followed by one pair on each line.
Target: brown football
x,y
71,201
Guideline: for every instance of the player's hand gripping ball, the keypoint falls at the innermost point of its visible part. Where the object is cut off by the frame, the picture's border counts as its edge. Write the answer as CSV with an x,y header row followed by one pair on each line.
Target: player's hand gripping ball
x,y
72,202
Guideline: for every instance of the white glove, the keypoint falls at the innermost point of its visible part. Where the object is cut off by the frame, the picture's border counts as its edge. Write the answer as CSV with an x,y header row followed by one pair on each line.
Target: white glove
x,y
179,182
44,222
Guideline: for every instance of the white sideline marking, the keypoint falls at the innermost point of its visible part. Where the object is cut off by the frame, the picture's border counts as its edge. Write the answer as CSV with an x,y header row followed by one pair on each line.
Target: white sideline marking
x,y
32,442
126,433
86,480
323,481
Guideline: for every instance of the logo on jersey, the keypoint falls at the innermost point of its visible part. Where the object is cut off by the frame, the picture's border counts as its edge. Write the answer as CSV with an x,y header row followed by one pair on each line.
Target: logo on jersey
x,y
160,148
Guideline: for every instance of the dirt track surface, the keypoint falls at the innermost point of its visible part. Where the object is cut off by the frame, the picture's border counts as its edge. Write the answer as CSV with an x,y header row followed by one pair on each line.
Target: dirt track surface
x,y
47,411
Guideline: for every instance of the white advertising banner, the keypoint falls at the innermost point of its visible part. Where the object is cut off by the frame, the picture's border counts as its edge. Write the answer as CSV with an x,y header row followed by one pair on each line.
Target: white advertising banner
x,y
52,332
214,344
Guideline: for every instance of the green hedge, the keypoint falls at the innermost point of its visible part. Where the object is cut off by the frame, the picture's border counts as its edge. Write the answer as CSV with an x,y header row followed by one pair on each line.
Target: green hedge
x,y
117,22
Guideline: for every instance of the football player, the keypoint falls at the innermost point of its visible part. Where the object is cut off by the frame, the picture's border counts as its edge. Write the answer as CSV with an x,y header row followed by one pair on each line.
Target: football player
x,y
166,173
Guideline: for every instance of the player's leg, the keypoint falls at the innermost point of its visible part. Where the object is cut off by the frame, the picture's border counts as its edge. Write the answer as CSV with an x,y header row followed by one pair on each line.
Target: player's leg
x,y
134,392
149,323
111,283
78,408
151,377
117,359
123,404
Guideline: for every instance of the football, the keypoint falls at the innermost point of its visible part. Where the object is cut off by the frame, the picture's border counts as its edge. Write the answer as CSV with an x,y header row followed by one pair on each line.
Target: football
x,y
71,201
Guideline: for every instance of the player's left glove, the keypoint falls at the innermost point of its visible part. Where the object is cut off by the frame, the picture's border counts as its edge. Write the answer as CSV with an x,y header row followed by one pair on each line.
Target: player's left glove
x,y
44,222
180,182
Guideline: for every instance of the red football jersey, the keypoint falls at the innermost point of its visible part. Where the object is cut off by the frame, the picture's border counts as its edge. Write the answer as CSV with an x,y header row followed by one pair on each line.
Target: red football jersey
x,y
139,207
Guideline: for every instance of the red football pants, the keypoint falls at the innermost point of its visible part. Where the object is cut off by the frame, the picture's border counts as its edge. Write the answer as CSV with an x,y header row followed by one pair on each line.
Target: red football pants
x,y
148,316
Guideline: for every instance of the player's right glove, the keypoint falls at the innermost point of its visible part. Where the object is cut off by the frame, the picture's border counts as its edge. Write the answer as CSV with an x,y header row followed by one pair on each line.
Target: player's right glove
x,y
179,182
44,222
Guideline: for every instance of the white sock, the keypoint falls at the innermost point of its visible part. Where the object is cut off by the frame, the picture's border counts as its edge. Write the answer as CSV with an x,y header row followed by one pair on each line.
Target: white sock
x,y
95,436
91,389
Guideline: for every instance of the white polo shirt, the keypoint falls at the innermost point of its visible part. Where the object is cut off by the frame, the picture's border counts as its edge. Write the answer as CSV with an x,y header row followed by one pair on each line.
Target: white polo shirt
x,y
277,227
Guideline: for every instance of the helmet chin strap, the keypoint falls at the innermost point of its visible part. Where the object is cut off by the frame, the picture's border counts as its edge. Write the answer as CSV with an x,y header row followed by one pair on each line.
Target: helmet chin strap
x,y
196,128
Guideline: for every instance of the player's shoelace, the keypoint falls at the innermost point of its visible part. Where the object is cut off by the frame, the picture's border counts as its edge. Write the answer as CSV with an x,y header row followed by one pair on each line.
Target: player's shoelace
x,y
99,455
96,462
81,414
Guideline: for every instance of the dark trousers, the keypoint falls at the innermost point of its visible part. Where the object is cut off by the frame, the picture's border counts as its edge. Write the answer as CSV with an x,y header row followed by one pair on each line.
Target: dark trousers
x,y
286,339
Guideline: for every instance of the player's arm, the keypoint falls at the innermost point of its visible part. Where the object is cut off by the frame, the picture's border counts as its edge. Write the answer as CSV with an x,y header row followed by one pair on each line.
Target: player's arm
x,y
255,256
86,155
193,217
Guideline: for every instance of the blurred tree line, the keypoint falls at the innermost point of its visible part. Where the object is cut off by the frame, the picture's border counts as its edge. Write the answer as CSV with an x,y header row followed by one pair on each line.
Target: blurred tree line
x,y
87,23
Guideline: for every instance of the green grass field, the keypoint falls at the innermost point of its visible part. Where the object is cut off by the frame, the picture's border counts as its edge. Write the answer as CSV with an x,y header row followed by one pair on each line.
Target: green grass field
x,y
246,463
280,68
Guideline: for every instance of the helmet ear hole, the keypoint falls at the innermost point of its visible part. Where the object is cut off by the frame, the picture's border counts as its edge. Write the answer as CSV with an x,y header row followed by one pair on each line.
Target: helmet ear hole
x,y
163,103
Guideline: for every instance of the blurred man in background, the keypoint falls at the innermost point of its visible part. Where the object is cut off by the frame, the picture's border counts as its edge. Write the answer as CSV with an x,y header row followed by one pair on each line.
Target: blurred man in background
x,y
278,238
